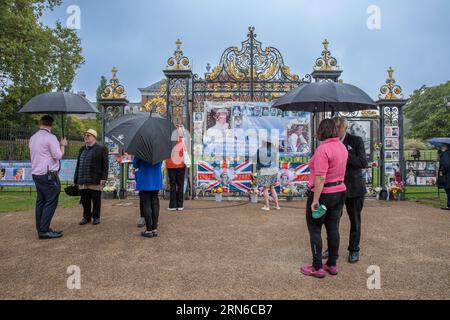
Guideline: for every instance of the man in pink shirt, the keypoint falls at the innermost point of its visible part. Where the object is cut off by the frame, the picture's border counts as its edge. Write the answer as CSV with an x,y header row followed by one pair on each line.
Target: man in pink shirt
x,y
46,152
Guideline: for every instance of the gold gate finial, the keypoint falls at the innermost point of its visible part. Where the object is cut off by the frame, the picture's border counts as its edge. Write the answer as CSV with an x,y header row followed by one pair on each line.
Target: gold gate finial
x,y
178,61
114,73
114,90
391,91
326,62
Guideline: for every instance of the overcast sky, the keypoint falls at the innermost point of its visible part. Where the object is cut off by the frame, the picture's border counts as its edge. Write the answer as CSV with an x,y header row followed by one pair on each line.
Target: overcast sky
x,y
138,36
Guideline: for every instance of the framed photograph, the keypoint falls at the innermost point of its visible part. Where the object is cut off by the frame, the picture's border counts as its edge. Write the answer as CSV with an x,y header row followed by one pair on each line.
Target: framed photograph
x,y
392,132
391,143
363,129
218,119
298,138
392,156
392,167
198,117
237,111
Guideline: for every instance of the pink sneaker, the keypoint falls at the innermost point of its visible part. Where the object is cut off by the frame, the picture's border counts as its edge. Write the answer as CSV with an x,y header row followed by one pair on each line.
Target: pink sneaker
x,y
331,270
310,271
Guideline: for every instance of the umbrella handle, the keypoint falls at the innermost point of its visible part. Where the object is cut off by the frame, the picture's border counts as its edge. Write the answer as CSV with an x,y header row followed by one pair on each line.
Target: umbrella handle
x,y
62,125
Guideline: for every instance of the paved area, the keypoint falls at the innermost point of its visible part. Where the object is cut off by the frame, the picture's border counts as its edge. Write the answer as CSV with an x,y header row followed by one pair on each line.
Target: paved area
x,y
229,250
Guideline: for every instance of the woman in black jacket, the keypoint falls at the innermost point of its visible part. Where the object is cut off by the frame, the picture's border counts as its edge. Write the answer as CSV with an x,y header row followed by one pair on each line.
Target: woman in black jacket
x,y
444,172
91,174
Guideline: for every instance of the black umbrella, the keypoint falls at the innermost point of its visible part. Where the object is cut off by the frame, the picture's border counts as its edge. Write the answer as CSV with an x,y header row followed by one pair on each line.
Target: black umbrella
x,y
59,103
151,138
325,97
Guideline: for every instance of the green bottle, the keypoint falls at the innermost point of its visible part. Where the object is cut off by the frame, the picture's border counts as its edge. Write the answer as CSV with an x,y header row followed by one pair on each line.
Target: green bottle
x,y
320,212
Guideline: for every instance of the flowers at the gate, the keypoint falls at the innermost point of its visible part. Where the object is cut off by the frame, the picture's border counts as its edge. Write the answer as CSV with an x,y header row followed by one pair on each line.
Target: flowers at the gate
x,y
109,189
397,187
217,190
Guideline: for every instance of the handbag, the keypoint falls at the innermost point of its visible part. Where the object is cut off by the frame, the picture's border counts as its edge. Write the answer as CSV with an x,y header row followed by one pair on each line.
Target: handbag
x,y
72,191
186,156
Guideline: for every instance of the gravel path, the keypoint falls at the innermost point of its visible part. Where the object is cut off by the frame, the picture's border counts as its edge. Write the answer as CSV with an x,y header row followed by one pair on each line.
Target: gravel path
x,y
229,250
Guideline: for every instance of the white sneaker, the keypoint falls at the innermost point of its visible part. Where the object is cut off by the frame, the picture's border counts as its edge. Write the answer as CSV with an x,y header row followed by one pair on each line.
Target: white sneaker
x,y
172,209
180,209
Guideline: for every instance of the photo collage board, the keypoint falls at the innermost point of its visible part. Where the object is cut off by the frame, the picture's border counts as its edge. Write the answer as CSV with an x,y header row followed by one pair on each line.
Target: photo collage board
x,y
392,151
422,173
241,125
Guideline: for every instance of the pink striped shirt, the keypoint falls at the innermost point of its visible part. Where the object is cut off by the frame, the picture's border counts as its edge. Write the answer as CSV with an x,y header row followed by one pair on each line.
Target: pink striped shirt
x,y
329,161
45,152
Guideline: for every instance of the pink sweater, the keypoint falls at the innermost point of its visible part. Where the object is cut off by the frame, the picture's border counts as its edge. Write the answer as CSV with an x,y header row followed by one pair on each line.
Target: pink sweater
x,y
330,161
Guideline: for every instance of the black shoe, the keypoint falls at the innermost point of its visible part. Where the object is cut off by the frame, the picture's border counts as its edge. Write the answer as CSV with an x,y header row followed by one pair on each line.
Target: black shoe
x,y
84,221
55,231
49,235
96,222
325,255
147,234
353,257
155,234
447,208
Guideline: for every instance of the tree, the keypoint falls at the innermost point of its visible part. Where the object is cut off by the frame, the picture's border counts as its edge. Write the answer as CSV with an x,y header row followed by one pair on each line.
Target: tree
x,y
428,112
101,87
33,58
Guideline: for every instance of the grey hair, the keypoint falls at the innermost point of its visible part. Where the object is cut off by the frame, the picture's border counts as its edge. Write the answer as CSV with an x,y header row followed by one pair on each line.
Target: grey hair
x,y
341,120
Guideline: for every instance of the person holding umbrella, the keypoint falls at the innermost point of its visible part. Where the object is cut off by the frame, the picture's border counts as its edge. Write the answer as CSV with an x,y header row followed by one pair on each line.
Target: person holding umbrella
x,y
46,152
149,182
90,175
444,172
356,186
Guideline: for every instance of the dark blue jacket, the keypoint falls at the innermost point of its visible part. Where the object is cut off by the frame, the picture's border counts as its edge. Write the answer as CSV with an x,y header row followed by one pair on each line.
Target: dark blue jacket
x,y
148,177
444,168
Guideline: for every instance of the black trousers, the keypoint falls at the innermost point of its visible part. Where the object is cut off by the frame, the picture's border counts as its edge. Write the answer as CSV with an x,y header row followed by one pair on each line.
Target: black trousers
x,y
149,204
176,185
92,203
48,189
334,203
448,197
354,207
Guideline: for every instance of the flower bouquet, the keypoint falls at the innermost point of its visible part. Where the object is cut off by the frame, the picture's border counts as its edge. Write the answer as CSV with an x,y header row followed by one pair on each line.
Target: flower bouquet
x,y
253,192
396,189
109,192
218,193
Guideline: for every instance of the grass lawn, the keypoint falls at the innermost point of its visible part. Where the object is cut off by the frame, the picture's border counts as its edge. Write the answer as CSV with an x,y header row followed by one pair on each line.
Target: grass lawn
x,y
427,195
12,201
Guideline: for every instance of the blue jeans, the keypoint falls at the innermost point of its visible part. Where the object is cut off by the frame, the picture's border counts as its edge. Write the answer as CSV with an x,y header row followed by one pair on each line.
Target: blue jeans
x,y
48,189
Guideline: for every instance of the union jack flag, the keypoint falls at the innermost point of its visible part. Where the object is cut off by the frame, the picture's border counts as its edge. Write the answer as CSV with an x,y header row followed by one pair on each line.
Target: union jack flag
x,y
302,173
231,177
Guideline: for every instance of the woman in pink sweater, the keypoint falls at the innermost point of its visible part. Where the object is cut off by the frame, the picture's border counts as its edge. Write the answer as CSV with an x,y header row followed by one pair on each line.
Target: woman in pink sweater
x,y
327,188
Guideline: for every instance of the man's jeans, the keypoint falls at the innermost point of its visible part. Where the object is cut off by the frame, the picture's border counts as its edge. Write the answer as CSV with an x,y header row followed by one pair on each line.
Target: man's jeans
x,y
48,188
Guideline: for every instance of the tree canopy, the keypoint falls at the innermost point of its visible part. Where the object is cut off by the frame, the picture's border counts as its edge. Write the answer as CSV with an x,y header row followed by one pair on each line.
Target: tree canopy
x,y
428,111
34,58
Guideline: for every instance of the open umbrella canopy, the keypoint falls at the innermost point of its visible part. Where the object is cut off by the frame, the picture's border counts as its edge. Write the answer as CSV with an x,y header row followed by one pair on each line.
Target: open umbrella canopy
x,y
438,142
60,103
151,138
325,97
